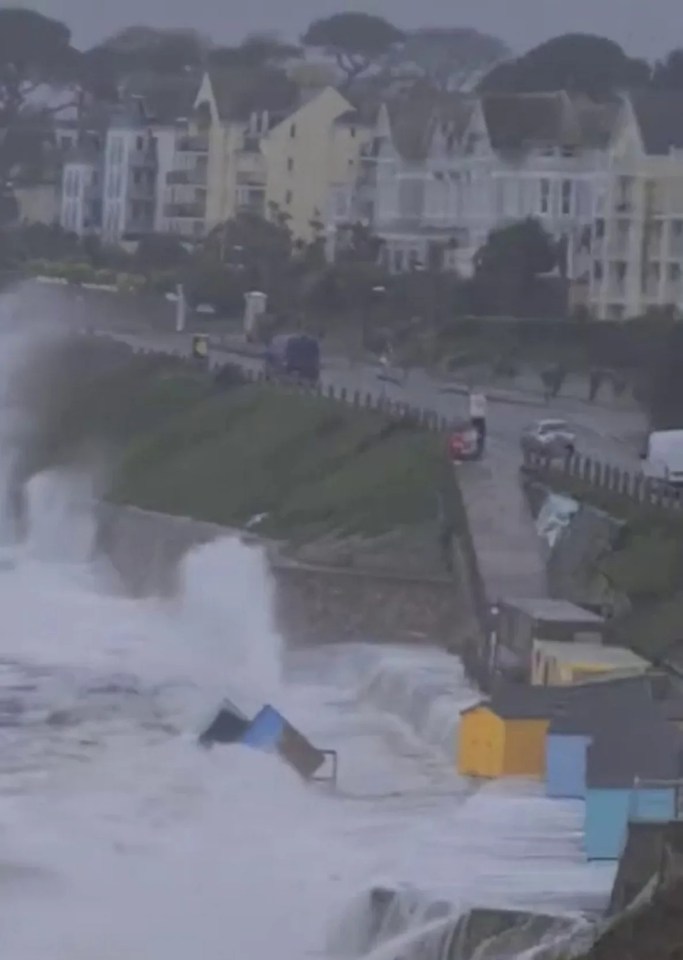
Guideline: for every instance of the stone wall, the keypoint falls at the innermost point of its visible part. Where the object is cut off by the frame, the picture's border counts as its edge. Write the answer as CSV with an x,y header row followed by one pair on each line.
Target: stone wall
x,y
316,604
313,603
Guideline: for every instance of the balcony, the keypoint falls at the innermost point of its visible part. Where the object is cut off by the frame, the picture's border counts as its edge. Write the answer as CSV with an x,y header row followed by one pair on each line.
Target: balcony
x,y
185,211
192,144
195,177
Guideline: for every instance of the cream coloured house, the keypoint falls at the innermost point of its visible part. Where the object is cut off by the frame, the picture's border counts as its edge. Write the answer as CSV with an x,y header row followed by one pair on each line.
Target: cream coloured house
x,y
637,243
219,167
316,146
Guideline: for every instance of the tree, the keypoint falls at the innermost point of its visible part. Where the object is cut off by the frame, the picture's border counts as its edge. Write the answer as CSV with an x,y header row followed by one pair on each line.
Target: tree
x,y
256,251
149,49
523,248
450,58
577,62
355,40
34,51
258,50
668,73
509,264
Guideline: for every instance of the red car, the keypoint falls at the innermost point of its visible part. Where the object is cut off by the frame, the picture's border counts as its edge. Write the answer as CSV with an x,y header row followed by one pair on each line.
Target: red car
x,y
462,444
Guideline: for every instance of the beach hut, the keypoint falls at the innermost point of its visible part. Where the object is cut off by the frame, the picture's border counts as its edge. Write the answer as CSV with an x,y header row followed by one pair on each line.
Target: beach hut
x,y
522,621
578,719
637,743
504,736
556,663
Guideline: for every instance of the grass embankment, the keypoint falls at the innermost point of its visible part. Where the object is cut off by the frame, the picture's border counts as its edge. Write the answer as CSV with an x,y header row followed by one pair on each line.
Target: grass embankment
x,y
181,444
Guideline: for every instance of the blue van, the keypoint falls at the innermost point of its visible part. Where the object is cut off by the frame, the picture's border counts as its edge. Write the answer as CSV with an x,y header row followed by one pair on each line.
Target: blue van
x,y
293,355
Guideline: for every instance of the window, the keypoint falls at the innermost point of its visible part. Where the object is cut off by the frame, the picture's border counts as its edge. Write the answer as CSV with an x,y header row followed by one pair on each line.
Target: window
x,y
677,228
567,196
292,130
597,270
599,229
621,270
140,143
288,197
137,176
290,164
544,205
674,272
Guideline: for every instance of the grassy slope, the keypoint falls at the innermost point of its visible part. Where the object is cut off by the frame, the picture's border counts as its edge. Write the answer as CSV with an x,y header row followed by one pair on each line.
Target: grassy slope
x,y
312,465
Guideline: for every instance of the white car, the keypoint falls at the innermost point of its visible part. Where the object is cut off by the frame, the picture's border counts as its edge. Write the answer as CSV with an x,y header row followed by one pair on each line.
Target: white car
x,y
550,438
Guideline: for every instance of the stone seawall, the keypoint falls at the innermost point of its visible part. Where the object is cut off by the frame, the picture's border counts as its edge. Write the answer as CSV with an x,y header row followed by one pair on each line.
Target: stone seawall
x,y
313,603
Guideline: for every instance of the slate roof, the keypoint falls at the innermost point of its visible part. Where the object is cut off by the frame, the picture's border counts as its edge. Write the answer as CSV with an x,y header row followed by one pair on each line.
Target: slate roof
x,y
659,115
161,99
638,743
519,121
547,610
239,93
415,115
525,702
595,703
525,120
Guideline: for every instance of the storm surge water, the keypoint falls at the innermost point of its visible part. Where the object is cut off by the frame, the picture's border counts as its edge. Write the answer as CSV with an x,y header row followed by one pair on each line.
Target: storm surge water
x,y
120,838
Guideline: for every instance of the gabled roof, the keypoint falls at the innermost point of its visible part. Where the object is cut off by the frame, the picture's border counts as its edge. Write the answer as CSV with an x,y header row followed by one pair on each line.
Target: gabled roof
x,y
161,99
239,93
414,115
659,116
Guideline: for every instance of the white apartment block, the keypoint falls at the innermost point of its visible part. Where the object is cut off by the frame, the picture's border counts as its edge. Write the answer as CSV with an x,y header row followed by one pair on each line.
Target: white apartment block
x,y
637,242
81,194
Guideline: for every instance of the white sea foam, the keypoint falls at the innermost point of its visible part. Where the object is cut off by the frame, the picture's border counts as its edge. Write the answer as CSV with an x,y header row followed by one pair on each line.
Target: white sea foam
x,y
119,838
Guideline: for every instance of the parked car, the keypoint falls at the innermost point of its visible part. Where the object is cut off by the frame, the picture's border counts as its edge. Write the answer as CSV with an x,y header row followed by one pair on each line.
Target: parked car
x,y
662,458
293,356
549,438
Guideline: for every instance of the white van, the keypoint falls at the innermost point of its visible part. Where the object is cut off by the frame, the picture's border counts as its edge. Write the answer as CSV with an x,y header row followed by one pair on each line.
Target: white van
x,y
663,457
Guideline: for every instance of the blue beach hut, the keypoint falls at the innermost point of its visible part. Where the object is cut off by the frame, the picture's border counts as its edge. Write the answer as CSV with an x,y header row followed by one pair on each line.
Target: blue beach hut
x,y
576,722
634,744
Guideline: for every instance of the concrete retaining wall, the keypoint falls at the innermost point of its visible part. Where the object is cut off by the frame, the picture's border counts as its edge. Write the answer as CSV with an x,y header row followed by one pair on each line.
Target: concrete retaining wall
x,y
313,603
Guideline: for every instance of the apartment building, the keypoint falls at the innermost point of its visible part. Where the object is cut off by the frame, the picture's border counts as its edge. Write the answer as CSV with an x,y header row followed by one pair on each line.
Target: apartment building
x,y
220,168
81,191
313,148
637,239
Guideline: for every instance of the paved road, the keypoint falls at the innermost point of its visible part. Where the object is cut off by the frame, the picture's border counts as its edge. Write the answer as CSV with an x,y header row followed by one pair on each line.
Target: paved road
x,y
510,553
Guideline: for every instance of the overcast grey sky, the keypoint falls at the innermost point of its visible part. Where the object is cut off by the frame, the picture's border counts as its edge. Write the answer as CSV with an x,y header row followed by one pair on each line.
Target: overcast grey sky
x,y
646,27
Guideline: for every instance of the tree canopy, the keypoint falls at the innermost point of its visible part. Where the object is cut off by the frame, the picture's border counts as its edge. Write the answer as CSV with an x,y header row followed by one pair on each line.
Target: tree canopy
x,y
523,248
34,50
577,62
668,73
355,40
452,58
257,50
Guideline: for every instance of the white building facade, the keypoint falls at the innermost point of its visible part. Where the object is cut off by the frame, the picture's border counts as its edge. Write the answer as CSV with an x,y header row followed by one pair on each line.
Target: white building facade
x,y
81,195
438,179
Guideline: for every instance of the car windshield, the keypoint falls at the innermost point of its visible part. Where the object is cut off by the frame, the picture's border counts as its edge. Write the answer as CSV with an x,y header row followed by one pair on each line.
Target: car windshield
x,y
552,426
